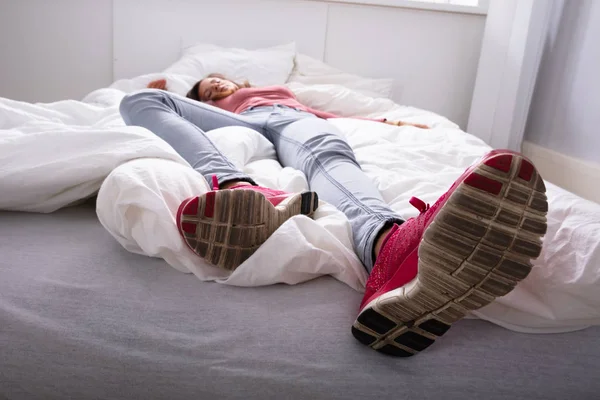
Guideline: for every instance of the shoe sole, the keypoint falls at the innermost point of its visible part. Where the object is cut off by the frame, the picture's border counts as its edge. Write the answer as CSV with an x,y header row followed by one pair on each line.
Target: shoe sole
x,y
477,248
225,227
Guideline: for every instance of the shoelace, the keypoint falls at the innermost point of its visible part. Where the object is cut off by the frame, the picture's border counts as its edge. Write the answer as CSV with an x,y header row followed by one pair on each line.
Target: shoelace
x,y
419,204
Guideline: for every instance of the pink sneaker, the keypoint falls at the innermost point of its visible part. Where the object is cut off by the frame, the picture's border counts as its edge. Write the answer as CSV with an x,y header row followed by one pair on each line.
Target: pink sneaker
x,y
473,245
225,227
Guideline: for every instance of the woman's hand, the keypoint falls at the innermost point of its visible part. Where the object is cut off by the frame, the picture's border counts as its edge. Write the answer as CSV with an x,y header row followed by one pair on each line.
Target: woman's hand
x,y
401,123
160,84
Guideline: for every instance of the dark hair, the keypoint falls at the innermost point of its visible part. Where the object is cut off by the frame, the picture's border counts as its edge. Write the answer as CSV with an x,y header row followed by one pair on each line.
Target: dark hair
x,y
193,93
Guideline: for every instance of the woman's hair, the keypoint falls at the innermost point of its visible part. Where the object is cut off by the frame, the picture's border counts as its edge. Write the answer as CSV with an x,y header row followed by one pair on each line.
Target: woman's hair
x,y
193,93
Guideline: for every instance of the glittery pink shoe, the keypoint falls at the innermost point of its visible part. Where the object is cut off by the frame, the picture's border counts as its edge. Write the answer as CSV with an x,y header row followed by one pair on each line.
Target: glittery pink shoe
x,y
473,245
225,227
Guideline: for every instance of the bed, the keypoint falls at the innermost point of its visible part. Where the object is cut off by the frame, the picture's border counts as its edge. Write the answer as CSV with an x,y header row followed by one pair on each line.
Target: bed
x,y
100,298
98,322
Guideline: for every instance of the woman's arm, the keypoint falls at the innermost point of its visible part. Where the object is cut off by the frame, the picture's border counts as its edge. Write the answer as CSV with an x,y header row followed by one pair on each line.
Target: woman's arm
x,y
402,123
326,115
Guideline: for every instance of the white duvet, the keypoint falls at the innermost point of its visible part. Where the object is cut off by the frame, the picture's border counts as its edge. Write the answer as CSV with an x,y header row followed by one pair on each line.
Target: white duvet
x,y
54,155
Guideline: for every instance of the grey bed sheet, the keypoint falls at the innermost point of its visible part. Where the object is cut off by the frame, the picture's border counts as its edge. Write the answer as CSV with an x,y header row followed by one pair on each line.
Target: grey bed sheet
x,y
81,318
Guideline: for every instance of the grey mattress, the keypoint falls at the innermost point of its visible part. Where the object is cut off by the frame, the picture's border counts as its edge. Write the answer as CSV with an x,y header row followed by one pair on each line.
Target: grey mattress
x,y
82,318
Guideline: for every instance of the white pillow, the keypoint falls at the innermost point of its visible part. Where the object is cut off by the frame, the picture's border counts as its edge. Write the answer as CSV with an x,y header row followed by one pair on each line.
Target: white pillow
x,y
310,71
344,102
262,67
339,100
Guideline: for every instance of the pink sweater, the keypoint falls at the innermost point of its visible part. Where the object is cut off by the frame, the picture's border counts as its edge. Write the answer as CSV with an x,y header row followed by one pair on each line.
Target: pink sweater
x,y
245,98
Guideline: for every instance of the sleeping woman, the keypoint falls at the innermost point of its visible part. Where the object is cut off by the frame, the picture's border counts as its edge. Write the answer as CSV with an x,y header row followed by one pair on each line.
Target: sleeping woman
x,y
473,245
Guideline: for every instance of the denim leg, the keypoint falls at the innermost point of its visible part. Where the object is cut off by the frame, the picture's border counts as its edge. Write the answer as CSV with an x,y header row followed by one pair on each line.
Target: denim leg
x,y
302,141
182,123
314,146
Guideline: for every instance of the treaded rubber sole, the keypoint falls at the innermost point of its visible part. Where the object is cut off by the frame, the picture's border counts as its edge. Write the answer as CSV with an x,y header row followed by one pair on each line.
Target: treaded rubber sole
x,y
477,248
225,227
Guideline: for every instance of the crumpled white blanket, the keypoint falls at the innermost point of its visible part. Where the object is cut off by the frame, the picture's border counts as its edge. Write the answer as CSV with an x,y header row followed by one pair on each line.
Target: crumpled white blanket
x,y
53,155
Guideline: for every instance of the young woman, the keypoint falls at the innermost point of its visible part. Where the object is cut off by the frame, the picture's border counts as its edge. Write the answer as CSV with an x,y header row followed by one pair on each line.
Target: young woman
x,y
473,245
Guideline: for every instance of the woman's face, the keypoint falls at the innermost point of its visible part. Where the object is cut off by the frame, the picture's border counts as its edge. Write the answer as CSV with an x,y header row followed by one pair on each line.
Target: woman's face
x,y
215,88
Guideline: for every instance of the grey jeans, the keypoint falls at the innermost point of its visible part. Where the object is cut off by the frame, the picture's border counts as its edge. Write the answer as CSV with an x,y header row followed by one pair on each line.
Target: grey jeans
x,y
301,140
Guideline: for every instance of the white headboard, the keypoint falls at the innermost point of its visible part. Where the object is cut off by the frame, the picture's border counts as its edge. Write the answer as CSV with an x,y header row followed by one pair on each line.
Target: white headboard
x,y
431,55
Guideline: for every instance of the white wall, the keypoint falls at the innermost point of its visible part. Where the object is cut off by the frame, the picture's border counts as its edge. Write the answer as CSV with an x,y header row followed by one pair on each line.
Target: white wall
x,y
565,110
432,56
62,49
54,49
